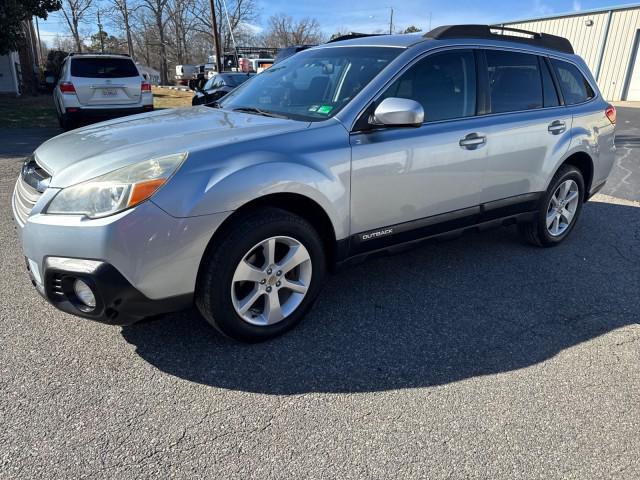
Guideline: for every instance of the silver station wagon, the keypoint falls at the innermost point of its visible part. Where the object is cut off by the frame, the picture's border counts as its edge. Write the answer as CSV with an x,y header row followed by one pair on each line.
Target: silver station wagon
x,y
339,151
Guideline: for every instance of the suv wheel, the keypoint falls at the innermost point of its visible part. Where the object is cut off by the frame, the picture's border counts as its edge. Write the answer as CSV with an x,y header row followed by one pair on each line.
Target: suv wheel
x,y
262,278
559,209
66,123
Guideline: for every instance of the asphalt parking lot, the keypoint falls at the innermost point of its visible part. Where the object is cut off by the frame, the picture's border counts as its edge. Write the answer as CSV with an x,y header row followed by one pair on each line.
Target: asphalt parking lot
x,y
479,357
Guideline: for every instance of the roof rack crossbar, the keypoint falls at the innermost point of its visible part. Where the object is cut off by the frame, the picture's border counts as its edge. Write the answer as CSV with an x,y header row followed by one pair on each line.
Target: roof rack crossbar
x,y
538,39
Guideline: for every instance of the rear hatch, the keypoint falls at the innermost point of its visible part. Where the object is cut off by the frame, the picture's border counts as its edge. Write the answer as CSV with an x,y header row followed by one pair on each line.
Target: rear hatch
x,y
106,80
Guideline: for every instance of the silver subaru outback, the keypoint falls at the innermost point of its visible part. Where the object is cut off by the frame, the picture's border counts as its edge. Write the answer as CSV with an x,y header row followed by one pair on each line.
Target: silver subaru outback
x,y
339,151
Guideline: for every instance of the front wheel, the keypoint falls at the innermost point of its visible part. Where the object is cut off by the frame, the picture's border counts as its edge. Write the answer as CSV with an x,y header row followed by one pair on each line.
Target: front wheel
x,y
261,279
559,209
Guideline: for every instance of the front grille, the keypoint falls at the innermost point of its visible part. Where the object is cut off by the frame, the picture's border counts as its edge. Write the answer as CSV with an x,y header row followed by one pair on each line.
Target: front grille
x,y
31,184
24,198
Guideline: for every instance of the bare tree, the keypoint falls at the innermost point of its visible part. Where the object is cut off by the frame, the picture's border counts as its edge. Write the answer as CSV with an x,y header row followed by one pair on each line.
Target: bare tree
x,y
284,31
144,34
121,12
240,13
158,9
182,22
74,12
64,44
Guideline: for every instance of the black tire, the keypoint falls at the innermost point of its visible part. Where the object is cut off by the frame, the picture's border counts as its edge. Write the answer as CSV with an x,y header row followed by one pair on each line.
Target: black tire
x,y
213,289
536,232
67,123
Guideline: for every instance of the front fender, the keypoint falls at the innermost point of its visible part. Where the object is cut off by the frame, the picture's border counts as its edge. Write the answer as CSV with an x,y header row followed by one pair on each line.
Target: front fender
x,y
209,186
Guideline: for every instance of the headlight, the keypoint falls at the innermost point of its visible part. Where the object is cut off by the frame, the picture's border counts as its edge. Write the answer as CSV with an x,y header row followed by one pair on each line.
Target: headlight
x,y
117,190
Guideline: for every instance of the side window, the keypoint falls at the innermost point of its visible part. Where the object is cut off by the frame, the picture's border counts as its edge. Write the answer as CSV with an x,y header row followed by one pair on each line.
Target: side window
x,y
444,83
575,87
548,87
515,83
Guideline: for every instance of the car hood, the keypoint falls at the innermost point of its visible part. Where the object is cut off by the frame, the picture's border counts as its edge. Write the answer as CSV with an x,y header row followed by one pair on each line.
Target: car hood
x,y
88,152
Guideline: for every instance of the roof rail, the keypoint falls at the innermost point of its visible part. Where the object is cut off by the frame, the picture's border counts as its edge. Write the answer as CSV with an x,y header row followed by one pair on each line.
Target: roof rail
x,y
73,54
352,35
488,32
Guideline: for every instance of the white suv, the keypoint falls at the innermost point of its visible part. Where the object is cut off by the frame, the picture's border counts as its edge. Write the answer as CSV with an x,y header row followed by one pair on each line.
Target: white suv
x,y
99,86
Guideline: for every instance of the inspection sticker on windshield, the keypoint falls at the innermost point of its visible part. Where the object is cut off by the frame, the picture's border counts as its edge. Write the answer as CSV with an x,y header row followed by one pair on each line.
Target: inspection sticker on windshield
x,y
324,109
314,108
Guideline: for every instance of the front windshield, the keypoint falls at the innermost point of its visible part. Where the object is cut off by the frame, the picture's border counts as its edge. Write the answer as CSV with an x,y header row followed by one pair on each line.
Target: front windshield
x,y
311,85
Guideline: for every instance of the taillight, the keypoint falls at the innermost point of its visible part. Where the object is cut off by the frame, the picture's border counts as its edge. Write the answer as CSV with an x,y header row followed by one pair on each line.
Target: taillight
x,y
146,87
67,87
611,114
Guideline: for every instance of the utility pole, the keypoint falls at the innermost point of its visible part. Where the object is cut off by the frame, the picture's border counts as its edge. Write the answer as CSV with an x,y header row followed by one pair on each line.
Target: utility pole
x,y
391,22
233,40
216,37
100,33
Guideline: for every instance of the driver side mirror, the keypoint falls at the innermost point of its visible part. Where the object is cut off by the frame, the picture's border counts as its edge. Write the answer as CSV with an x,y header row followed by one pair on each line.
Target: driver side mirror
x,y
398,112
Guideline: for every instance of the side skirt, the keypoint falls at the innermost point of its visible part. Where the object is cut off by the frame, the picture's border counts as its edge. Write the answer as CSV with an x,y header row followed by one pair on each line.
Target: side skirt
x,y
520,208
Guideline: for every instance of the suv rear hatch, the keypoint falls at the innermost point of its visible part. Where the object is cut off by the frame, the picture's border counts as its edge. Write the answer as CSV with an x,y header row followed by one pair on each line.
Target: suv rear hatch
x,y
106,80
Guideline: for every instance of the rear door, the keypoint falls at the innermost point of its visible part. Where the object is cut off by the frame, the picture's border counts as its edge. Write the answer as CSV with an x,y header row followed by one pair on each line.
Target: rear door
x,y
529,129
105,80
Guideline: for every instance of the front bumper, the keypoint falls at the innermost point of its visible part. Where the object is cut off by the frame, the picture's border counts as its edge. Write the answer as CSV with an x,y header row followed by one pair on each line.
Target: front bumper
x,y
117,302
150,260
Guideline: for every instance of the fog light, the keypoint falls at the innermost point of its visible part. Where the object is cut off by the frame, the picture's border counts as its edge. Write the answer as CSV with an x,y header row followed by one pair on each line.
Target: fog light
x,y
84,294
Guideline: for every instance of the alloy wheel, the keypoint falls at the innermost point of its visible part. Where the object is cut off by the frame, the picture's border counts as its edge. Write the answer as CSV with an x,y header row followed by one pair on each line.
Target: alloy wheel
x,y
562,207
271,280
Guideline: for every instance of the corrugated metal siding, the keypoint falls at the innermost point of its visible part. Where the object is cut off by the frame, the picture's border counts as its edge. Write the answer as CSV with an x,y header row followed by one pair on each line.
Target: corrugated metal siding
x,y
587,42
617,54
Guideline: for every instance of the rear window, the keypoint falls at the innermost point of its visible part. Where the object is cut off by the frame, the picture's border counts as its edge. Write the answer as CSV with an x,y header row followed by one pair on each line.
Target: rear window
x,y
103,68
575,88
514,80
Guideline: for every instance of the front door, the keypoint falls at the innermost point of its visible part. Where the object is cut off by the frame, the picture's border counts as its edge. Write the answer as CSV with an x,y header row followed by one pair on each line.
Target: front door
x,y
403,175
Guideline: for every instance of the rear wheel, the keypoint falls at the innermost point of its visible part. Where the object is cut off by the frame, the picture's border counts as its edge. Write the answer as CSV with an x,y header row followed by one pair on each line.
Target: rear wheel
x,y
67,123
262,278
559,209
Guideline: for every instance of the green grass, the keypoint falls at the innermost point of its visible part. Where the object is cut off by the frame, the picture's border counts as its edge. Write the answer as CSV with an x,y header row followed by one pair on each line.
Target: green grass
x,y
27,112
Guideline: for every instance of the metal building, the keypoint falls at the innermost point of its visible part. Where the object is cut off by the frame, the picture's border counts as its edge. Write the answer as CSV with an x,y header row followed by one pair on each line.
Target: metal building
x,y
608,41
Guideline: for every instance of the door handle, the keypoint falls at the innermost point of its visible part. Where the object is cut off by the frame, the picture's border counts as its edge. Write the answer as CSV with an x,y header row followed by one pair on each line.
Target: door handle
x,y
473,140
557,127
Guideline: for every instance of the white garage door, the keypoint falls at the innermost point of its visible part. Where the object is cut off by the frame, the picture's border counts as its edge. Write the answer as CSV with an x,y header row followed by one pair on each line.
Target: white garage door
x,y
633,91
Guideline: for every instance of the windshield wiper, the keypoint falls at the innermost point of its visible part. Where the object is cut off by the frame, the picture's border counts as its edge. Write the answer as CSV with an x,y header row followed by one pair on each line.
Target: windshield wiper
x,y
259,111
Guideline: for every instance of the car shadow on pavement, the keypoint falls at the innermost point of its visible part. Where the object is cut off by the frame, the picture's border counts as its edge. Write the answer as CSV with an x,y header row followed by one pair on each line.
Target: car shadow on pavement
x,y
482,304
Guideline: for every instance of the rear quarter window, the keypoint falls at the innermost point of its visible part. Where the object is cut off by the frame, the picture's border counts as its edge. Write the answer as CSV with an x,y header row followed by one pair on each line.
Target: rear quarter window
x,y
103,68
575,88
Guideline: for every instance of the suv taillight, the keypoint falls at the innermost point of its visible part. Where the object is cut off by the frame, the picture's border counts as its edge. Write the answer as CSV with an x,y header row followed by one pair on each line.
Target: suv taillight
x,y
67,87
611,114
146,87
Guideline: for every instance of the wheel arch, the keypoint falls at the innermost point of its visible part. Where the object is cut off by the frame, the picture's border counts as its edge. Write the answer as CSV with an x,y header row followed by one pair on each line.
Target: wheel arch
x,y
583,162
295,203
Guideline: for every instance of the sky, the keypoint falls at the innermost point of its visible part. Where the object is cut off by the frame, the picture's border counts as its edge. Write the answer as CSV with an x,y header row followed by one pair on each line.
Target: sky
x,y
373,15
